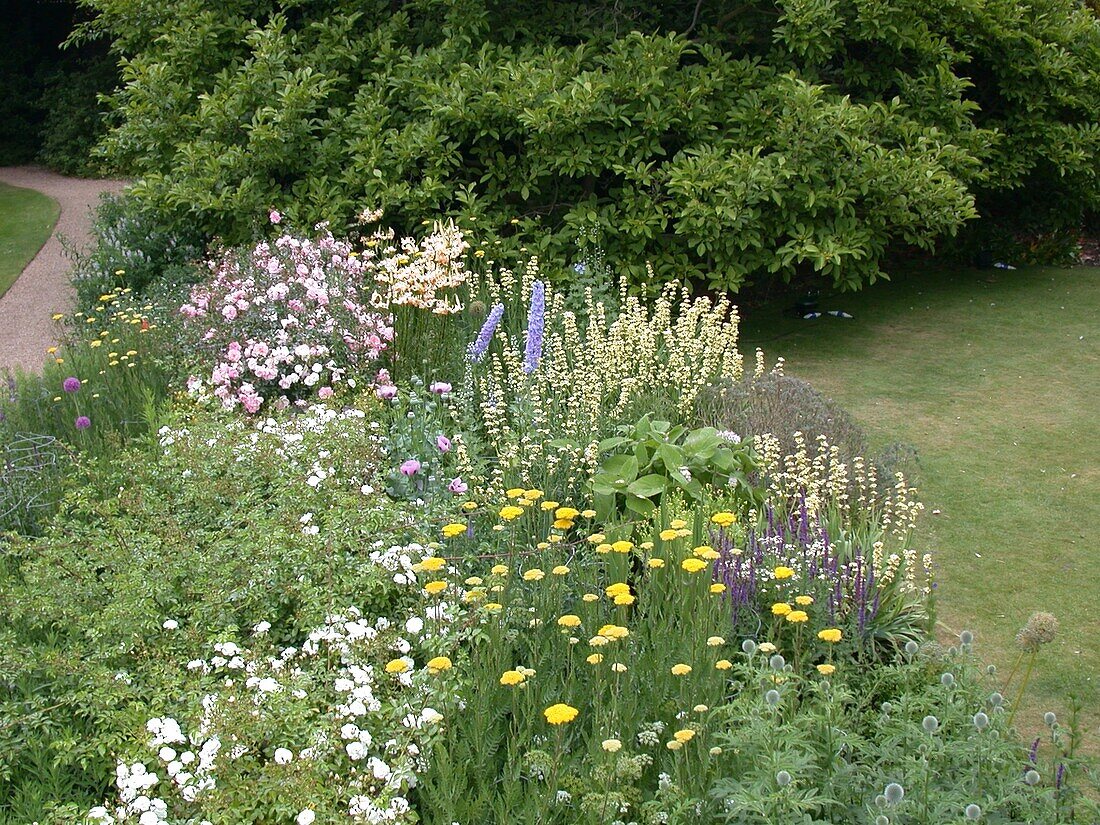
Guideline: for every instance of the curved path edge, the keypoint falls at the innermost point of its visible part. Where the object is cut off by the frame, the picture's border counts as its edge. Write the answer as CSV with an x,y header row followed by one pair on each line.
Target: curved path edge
x,y
43,289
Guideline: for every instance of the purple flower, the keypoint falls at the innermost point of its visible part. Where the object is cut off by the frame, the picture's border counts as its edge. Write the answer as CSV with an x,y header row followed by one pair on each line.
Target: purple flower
x,y
71,384
440,387
458,486
83,422
536,324
410,467
386,392
480,345
443,443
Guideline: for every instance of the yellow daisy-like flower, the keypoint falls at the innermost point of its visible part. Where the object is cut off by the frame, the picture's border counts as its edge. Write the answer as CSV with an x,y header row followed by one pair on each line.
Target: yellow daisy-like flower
x,y
684,736
611,745
656,563
603,548
588,513
533,575
674,744
782,572
781,609
553,539
598,641
526,671
469,506
532,495
493,607
678,524
618,667
705,552
499,570
681,669
589,597
594,658
797,616
622,546
543,545
522,502
512,677
515,492
804,601
396,666
646,545
667,535
613,590
436,587
475,595
510,512
432,563
693,565
624,599
569,620
560,714
596,538
560,570
567,513
613,631
563,524
832,634
715,641
549,505
717,587
701,708
723,519
723,664
439,664
826,670
767,647
453,529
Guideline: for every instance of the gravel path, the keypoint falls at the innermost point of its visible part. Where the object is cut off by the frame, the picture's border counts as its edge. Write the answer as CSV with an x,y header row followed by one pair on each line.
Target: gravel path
x,y
26,328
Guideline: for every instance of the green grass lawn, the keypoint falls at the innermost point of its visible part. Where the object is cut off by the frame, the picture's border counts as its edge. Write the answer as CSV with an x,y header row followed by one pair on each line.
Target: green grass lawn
x,y
26,220
994,377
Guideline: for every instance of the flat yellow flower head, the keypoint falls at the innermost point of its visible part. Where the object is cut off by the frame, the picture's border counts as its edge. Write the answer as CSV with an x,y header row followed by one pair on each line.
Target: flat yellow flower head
x,y
678,524
717,587
493,607
705,551
512,677
396,666
563,524
624,599
596,538
532,495
832,634
622,546
569,620
439,664
674,744
681,669
715,641
613,631
767,647
510,512
826,670
723,664
693,565
594,658
567,513
589,597
560,570
684,736
797,616
432,563
435,588
499,570
533,575
667,535
469,506
560,714
803,601
515,492
781,609
656,563
453,529
603,548
611,745
723,519
588,513
782,572
549,505
613,590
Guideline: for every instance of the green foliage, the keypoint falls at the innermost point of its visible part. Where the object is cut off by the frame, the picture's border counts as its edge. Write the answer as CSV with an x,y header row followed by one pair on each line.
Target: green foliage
x,y
650,459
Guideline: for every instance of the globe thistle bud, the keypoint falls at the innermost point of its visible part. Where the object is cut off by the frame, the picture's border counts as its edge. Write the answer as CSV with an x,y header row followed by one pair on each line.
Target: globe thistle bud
x,y
1040,629
966,638
930,723
911,647
894,793
887,707
996,699
772,697
748,646
1032,777
947,680
783,779
882,819
991,669
777,662
973,811
981,721
1050,719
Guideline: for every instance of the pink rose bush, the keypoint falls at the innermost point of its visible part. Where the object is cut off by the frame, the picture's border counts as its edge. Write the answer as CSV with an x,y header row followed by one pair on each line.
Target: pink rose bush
x,y
288,320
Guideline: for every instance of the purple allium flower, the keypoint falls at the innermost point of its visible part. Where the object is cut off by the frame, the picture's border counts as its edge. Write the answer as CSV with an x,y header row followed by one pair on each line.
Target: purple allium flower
x,y
480,345
71,384
458,486
410,467
386,392
443,443
536,324
440,387
83,422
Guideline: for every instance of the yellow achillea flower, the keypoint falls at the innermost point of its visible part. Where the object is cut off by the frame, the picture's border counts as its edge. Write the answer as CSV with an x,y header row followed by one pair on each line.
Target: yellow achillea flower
x,y
439,664
588,513
826,670
667,535
782,572
611,745
693,565
469,505
567,513
432,563
493,607
396,666
832,634
674,744
598,641
613,590
512,677
569,620
678,524
562,524
681,669
543,545
594,658
723,519
715,641
499,570
589,597
701,708
560,714
723,664
532,495
549,505
717,587
553,539
797,616
780,609
597,538
656,563
533,575
624,599
515,492
603,548
613,631
767,647
804,601
705,552
622,546
560,570
475,595
436,587
510,512
684,736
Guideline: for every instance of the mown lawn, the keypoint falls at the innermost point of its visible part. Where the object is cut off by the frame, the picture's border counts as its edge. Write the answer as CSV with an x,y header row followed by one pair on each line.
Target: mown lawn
x,y
26,220
994,377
